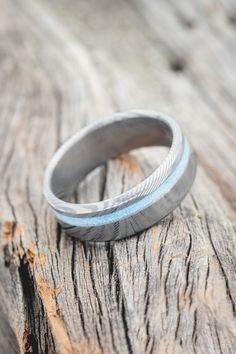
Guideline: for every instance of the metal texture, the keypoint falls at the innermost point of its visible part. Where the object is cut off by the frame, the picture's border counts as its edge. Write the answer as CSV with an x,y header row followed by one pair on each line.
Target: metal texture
x,y
141,206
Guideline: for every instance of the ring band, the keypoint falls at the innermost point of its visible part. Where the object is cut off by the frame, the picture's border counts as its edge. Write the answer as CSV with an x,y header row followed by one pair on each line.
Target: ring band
x,y
141,206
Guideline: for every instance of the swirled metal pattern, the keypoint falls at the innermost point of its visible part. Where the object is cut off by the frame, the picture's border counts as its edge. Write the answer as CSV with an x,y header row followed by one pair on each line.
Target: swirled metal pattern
x,y
141,206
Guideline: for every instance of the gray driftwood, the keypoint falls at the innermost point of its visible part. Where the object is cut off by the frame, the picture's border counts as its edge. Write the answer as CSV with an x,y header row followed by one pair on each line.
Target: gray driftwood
x,y
64,64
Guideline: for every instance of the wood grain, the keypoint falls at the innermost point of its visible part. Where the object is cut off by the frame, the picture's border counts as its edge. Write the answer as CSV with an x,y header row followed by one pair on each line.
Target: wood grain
x,y
64,64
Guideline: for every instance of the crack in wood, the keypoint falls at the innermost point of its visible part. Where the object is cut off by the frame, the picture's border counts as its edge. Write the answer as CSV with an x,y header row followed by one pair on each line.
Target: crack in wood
x,y
227,287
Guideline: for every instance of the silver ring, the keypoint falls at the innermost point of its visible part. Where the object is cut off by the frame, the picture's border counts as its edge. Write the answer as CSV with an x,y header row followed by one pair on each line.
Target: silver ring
x,y
140,207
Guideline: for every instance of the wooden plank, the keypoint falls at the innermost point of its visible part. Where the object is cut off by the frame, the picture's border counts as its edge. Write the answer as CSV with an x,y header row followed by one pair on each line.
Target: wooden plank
x,y
173,288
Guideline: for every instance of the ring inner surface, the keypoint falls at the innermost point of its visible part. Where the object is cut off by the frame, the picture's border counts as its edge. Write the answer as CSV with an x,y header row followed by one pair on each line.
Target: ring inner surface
x,y
104,143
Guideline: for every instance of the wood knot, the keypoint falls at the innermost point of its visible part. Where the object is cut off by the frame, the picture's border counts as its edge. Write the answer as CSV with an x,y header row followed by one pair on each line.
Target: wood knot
x,y
177,65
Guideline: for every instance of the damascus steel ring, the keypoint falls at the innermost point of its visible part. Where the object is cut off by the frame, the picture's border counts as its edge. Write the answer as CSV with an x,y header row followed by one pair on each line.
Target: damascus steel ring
x,y
138,208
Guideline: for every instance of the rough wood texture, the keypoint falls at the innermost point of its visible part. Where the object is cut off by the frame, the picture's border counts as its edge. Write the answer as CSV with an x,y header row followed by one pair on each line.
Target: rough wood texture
x,y
63,64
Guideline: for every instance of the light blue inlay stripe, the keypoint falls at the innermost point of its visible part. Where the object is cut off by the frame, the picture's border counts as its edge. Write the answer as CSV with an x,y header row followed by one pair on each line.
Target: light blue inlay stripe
x,y
133,208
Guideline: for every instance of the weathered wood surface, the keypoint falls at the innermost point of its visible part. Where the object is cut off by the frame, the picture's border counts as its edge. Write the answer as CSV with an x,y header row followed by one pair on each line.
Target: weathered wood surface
x,y
63,64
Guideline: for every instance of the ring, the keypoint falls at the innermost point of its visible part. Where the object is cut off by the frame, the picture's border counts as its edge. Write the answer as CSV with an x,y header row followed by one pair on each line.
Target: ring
x,y
141,206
